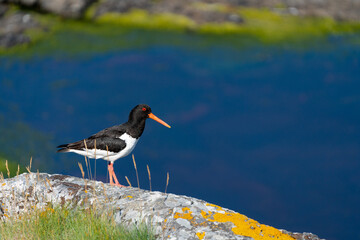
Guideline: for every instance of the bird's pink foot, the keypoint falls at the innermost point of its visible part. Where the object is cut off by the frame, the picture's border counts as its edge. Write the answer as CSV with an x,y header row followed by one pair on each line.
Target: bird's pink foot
x,y
113,176
118,184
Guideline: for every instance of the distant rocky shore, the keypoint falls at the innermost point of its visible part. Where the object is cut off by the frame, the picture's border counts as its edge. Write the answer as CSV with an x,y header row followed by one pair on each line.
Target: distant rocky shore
x,y
171,216
17,16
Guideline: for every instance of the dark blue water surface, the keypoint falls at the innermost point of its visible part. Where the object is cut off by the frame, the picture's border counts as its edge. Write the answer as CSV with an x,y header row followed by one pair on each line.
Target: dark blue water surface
x,y
270,132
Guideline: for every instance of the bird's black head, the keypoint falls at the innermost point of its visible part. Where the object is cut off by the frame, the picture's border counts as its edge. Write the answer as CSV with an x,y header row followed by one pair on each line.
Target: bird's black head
x,y
141,112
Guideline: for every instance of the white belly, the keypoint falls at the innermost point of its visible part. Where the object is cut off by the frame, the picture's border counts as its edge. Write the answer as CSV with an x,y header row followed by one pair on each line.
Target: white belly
x,y
108,155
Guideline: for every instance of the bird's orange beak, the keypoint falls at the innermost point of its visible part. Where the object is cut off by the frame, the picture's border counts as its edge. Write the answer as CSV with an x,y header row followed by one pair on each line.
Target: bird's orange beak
x,y
152,116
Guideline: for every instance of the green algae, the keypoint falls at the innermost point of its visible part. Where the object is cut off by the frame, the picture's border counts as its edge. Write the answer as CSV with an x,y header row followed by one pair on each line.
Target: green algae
x,y
113,31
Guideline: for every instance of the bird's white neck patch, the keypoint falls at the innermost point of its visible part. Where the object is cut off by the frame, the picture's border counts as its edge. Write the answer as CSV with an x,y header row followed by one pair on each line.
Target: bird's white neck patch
x,y
130,144
128,139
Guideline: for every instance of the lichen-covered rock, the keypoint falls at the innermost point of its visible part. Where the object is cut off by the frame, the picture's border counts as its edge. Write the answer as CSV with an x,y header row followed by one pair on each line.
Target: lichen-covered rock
x,y
172,216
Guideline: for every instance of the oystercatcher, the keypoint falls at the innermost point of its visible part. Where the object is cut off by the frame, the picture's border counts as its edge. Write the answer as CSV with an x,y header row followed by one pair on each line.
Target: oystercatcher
x,y
114,142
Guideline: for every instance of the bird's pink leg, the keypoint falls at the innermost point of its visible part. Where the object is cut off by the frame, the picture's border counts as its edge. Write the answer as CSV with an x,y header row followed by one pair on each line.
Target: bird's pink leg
x,y
112,174
111,169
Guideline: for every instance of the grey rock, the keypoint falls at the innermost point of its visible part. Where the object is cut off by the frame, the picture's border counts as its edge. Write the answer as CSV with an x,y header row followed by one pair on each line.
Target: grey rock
x,y
183,223
303,236
171,216
3,9
27,3
339,10
235,18
12,39
65,8
13,27
121,6
17,22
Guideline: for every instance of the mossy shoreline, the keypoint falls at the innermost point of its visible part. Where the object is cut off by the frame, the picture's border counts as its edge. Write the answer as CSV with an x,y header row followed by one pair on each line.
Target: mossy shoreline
x,y
262,24
105,32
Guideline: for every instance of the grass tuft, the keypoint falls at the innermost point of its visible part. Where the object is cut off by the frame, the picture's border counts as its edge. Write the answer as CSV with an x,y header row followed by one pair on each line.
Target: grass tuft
x,y
149,174
66,223
7,167
137,175
167,181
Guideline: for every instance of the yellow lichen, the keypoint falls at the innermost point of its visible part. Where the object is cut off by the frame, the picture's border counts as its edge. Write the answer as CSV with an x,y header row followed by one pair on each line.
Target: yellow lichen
x,y
200,235
185,215
244,226
215,206
129,196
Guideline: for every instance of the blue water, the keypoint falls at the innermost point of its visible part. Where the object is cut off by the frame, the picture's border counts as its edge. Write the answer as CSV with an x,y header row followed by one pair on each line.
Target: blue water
x,y
270,132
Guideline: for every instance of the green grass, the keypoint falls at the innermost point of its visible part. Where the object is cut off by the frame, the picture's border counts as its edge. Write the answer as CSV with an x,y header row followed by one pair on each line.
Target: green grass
x,y
66,223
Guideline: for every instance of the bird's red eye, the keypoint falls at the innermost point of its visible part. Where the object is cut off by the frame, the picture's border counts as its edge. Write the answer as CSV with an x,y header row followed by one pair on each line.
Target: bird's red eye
x,y
144,109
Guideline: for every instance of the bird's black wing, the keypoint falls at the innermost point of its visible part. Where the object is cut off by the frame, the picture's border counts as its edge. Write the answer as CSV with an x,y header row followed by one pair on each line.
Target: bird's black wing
x,y
103,143
105,139
112,132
